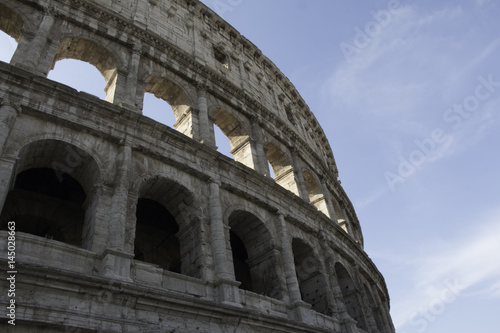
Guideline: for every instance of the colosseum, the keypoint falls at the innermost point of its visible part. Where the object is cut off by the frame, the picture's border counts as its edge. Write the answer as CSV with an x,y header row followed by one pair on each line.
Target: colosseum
x,y
113,222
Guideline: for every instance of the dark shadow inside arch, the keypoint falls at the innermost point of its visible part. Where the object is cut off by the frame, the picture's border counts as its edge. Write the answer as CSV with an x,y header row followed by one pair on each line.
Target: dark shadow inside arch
x,y
46,205
53,194
167,232
254,262
155,240
53,191
350,295
240,262
312,283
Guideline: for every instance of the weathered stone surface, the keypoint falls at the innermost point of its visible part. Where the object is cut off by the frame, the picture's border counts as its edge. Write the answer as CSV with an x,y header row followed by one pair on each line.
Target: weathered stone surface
x,y
126,225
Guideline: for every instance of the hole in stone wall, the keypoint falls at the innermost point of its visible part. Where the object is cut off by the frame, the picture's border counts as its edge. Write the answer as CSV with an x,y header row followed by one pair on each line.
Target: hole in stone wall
x,y
271,171
8,46
221,58
158,109
46,204
79,75
222,142
155,238
240,262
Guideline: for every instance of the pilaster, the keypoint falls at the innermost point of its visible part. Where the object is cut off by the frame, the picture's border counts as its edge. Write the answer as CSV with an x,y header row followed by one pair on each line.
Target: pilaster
x,y
37,44
205,135
227,287
299,177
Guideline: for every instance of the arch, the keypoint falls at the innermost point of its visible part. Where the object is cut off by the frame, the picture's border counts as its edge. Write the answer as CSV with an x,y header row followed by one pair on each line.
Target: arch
x,y
281,165
350,296
164,219
375,309
10,22
254,259
238,136
11,26
177,98
316,196
53,192
94,54
340,214
312,282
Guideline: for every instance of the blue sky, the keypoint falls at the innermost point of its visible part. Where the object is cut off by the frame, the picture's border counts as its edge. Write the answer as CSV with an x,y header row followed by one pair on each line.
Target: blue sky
x,y
408,93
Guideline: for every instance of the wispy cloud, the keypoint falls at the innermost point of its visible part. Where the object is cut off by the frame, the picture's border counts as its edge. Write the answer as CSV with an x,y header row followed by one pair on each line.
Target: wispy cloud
x,y
470,261
373,77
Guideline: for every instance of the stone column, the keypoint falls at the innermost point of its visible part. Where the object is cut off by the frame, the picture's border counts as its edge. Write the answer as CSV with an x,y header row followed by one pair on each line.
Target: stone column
x,y
115,261
301,308
299,177
130,98
328,200
329,271
261,165
34,52
347,221
116,87
227,287
205,134
8,116
288,262
7,164
22,48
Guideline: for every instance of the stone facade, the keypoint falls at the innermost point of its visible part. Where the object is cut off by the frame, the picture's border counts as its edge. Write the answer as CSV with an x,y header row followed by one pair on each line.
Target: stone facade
x,y
126,225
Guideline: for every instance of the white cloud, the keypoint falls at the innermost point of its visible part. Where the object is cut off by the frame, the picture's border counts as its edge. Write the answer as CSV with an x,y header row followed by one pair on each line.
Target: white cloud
x,y
374,196
447,269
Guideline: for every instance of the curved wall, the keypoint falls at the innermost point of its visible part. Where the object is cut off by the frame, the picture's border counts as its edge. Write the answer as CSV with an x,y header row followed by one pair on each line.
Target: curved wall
x,y
234,249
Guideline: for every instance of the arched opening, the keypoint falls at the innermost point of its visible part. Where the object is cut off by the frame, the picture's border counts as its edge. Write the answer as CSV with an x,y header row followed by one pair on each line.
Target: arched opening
x,y
240,262
158,109
281,167
155,240
238,137
316,195
52,195
340,215
376,311
165,233
350,296
84,77
8,47
253,255
179,102
312,283
92,53
222,142
11,26
43,206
